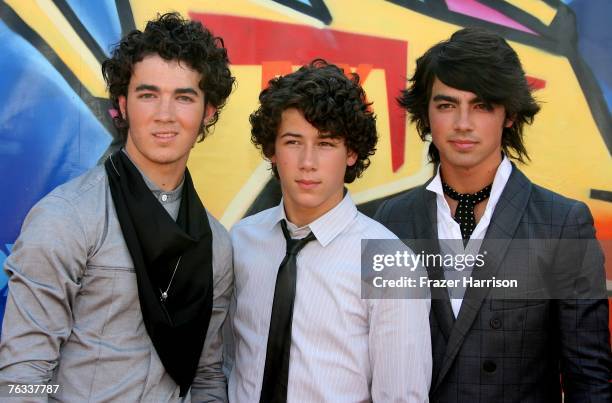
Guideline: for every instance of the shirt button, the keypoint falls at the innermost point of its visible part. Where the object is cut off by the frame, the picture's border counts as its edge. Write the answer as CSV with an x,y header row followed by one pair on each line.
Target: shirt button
x,y
164,198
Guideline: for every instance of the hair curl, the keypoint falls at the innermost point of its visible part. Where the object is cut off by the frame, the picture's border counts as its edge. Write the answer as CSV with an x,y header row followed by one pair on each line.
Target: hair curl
x,y
172,38
329,100
478,61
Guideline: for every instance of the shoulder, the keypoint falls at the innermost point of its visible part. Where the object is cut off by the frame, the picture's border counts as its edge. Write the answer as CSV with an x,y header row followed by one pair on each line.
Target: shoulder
x,y
371,229
254,222
401,202
221,238
558,211
79,196
64,220
255,235
559,207
81,186
572,216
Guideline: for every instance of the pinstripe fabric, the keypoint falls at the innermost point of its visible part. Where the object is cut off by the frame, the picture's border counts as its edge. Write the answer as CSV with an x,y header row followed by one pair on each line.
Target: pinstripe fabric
x,y
517,350
344,348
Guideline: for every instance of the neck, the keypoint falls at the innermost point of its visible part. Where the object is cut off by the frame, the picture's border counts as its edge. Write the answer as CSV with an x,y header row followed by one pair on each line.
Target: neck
x,y
468,179
167,176
301,216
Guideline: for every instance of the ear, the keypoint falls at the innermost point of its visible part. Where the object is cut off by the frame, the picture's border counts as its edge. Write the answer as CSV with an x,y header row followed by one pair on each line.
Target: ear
x,y
509,121
351,158
272,159
122,105
209,112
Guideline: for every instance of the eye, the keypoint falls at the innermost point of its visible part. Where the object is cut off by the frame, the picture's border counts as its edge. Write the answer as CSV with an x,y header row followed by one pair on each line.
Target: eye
x,y
185,98
484,106
444,106
292,142
327,144
146,95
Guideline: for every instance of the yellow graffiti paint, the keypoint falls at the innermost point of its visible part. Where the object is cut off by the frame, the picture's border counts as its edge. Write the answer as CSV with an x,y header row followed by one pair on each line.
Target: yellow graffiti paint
x,y
567,150
538,9
44,18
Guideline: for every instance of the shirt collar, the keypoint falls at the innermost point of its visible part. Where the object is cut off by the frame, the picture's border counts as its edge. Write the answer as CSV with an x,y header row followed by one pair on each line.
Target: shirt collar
x,y
499,181
326,227
504,170
171,195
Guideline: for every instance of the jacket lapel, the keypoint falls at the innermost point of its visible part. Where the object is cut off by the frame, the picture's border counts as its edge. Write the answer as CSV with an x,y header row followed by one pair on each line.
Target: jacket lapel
x,y
503,225
440,303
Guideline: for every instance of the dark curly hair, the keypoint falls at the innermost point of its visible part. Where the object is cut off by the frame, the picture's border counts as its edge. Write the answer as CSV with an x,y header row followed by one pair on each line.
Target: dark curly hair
x,y
173,38
478,61
329,100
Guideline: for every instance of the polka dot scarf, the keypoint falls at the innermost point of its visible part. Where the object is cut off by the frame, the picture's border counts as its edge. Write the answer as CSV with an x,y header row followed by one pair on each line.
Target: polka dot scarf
x,y
464,214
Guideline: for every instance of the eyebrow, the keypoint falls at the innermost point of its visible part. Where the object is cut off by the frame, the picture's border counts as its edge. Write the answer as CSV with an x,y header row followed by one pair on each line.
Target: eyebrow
x,y
321,136
448,98
154,88
289,134
187,90
147,87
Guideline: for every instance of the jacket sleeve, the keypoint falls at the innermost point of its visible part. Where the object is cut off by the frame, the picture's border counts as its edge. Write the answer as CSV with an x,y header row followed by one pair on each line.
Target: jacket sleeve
x,y
586,359
210,383
44,270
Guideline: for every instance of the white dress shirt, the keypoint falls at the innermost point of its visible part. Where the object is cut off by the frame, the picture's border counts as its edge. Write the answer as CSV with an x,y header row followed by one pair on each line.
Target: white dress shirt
x,y
343,348
448,228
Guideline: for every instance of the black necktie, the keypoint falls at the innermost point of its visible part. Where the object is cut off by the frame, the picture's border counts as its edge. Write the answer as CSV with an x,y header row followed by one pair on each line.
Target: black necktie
x,y
276,371
464,214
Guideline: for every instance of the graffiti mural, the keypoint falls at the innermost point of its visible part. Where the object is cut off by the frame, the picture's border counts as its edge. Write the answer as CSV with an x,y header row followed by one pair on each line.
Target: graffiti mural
x,y
55,122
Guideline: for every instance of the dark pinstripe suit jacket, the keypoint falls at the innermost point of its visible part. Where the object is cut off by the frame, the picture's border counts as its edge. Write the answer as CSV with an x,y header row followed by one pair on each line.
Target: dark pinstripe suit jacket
x,y
520,350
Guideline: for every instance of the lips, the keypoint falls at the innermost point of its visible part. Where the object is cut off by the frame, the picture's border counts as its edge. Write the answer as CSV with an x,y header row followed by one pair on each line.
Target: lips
x,y
461,144
307,184
164,136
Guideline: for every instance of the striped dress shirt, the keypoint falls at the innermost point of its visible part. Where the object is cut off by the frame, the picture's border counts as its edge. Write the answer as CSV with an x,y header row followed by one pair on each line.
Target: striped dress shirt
x,y
343,348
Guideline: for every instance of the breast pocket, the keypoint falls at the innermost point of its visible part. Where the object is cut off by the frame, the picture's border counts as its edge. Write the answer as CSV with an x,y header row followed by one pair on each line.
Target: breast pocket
x,y
520,314
107,303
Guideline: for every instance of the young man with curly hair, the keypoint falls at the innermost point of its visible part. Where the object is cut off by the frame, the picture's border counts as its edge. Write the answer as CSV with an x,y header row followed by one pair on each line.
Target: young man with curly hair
x,y
120,280
302,331
544,335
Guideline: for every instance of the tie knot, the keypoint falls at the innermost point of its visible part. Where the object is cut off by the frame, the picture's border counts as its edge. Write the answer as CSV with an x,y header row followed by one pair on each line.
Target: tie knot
x,y
468,198
294,246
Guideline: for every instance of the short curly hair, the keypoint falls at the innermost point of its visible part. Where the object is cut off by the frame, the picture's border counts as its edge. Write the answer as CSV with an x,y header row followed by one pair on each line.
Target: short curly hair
x,y
172,38
478,61
329,100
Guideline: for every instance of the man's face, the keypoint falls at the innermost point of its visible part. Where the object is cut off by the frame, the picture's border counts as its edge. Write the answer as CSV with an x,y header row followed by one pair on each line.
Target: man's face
x,y
165,109
466,130
311,167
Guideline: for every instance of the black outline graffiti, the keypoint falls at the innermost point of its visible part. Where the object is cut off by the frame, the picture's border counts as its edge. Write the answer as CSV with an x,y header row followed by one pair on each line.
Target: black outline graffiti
x,y
604,195
555,38
126,17
317,9
438,9
98,106
80,29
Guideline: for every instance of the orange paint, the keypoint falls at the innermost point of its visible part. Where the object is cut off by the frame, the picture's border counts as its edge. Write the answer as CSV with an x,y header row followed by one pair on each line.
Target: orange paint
x,y
272,69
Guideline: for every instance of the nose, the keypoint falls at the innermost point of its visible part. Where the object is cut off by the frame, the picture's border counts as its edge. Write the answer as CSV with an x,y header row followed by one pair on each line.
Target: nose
x,y
463,120
165,110
308,158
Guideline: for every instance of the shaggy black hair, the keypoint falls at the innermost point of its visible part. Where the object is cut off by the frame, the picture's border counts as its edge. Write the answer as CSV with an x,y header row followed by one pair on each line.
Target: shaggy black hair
x,y
329,100
481,62
172,38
